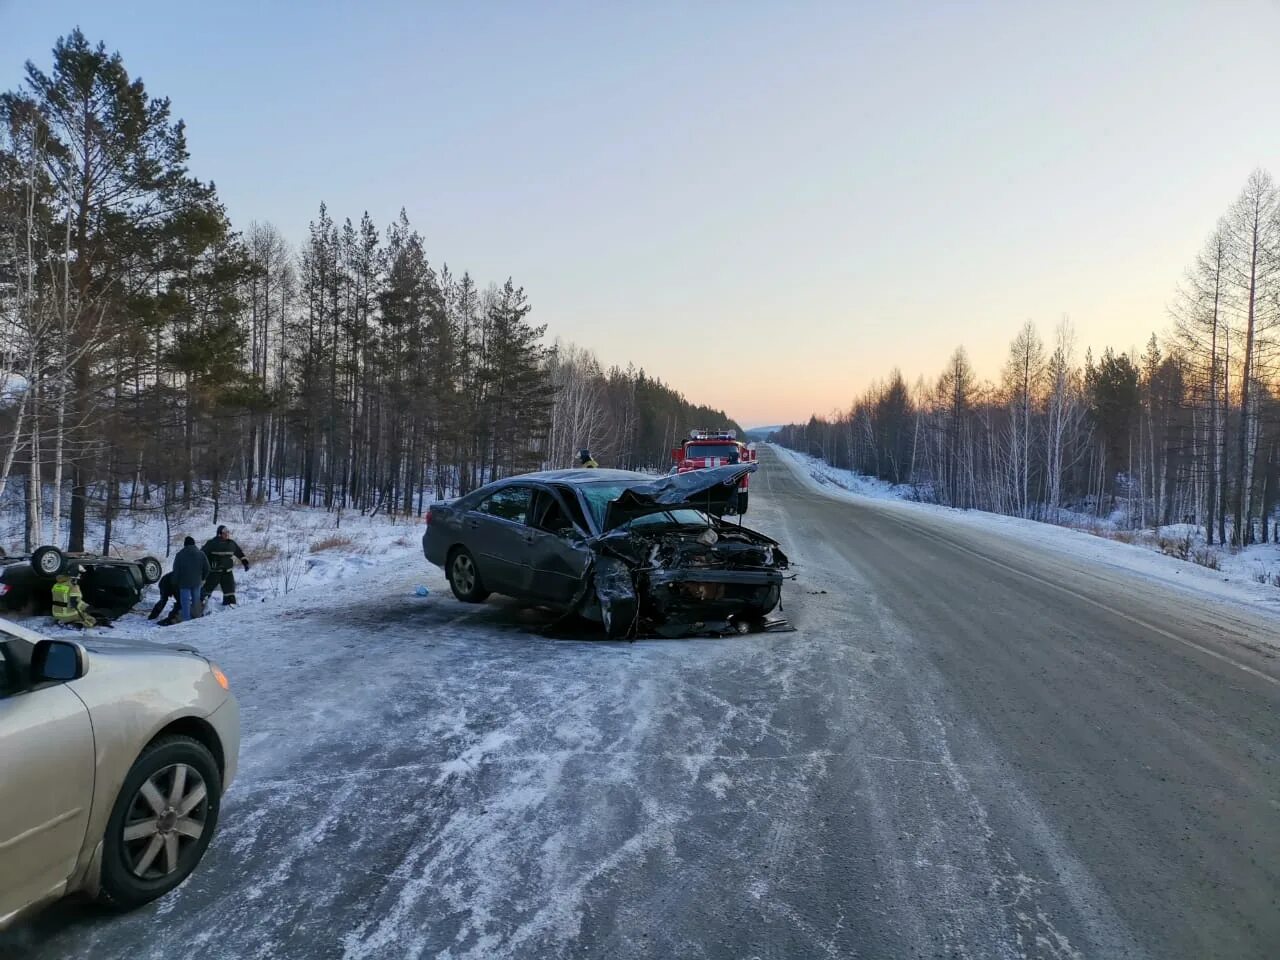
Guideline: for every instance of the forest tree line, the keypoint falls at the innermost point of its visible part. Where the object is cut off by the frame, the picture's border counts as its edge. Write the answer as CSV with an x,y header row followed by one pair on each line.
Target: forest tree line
x,y
150,353
1185,430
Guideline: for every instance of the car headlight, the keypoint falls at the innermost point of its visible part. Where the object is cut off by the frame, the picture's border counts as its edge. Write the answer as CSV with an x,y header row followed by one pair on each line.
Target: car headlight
x,y
219,676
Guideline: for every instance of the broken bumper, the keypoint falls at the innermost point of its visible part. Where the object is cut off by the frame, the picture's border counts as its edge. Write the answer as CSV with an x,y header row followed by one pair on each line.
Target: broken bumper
x,y
693,595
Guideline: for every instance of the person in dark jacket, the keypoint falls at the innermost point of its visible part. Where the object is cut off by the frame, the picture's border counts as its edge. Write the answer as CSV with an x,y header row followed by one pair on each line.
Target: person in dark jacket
x,y
188,561
222,552
167,592
190,569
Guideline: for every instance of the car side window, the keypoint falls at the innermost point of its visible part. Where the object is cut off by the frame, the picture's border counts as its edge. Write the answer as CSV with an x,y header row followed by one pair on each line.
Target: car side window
x,y
509,503
570,498
548,515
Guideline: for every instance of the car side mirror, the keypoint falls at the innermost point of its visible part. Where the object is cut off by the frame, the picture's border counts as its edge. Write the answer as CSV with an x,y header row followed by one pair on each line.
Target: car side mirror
x,y
58,660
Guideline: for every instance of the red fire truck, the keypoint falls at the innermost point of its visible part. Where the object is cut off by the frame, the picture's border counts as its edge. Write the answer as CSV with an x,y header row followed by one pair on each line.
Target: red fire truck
x,y
714,448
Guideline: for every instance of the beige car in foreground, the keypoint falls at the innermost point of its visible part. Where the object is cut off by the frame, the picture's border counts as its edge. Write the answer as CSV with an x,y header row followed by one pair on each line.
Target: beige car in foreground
x,y
114,755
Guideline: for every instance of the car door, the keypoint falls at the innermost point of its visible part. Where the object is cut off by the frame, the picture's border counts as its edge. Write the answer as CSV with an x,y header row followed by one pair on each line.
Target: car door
x,y
46,784
558,555
496,533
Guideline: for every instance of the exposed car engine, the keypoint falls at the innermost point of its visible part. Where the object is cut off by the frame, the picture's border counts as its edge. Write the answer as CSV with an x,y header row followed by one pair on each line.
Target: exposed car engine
x,y
719,578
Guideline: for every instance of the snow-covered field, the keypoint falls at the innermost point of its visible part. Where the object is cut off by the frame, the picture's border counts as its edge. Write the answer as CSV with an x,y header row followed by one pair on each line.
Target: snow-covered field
x,y
1250,576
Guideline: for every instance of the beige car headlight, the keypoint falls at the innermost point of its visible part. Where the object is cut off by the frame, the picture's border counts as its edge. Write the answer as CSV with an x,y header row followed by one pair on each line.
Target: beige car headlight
x,y
219,676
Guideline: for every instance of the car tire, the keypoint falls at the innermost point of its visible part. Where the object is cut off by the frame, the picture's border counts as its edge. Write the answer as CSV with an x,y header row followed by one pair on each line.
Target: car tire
x,y
152,570
464,577
149,847
48,561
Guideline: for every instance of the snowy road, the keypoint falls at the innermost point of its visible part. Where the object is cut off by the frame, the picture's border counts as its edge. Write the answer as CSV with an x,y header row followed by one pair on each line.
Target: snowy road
x,y
968,749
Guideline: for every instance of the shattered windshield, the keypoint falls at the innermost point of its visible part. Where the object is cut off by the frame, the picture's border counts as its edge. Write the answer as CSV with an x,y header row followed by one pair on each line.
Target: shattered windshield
x,y
599,495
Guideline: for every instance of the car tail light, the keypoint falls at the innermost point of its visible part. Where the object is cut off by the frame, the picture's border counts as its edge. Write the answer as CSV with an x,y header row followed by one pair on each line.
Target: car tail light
x,y
428,516
4,588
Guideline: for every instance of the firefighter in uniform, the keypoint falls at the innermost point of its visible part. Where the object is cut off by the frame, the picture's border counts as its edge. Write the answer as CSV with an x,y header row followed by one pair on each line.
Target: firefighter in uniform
x,y
222,552
69,608
586,460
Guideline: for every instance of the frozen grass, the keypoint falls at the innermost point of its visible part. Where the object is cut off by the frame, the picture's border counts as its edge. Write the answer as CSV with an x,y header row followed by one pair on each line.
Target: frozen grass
x,y
336,542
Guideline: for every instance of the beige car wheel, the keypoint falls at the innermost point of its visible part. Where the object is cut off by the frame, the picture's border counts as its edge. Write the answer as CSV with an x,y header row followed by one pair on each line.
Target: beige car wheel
x,y
163,820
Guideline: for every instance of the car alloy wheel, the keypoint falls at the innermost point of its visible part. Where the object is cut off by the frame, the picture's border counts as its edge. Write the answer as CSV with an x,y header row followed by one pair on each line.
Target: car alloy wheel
x,y
162,821
464,577
464,573
166,818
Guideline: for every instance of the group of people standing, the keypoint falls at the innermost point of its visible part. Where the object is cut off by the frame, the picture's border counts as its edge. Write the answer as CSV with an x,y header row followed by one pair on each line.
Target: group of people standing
x,y
196,573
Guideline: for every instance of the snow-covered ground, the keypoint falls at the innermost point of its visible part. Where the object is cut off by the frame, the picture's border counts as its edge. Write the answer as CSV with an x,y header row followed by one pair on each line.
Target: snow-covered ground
x,y
847,480
1250,576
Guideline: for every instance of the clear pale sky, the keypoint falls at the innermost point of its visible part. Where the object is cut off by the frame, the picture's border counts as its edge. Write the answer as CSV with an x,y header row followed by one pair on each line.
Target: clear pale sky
x,y
767,204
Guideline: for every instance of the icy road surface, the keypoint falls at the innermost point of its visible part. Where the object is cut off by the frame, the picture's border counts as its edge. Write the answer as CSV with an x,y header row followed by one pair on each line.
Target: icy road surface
x,y
968,749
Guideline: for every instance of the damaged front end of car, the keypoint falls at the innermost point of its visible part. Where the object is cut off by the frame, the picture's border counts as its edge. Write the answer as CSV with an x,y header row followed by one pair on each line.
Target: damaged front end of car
x,y
680,578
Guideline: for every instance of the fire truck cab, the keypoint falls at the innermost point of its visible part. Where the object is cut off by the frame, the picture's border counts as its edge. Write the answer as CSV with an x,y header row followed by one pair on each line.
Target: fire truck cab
x,y
714,448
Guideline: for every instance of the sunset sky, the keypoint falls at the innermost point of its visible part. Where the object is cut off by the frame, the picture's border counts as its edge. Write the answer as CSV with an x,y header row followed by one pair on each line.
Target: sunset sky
x,y
768,205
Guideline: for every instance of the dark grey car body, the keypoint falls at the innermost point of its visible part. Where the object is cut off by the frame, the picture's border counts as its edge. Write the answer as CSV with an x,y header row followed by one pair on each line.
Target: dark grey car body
x,y
635,553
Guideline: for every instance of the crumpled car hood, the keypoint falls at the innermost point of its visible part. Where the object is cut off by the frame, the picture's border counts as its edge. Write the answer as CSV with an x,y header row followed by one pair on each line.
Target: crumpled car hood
x,y
698,490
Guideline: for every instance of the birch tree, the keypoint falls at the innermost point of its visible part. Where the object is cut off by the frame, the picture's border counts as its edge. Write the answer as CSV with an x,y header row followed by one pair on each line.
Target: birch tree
x,y
1254,265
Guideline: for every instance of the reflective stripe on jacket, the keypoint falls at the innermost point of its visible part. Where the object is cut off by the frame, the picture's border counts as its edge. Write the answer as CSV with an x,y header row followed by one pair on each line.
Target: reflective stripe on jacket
x,y
222,554
67,600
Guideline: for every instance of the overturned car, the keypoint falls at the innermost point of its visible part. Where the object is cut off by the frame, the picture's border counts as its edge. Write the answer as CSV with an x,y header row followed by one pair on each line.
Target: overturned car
x,y
112,586
639,555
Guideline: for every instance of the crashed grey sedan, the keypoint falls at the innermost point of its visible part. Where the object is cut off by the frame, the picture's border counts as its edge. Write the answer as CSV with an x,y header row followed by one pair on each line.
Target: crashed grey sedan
x,y
639,555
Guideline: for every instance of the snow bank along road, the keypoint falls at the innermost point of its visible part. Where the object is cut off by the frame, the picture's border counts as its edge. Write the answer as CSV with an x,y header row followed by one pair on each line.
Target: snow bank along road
x,y
968,749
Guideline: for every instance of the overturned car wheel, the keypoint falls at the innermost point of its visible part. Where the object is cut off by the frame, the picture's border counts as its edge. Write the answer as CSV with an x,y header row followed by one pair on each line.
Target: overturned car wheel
x,y
49,561
464,577
151,569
